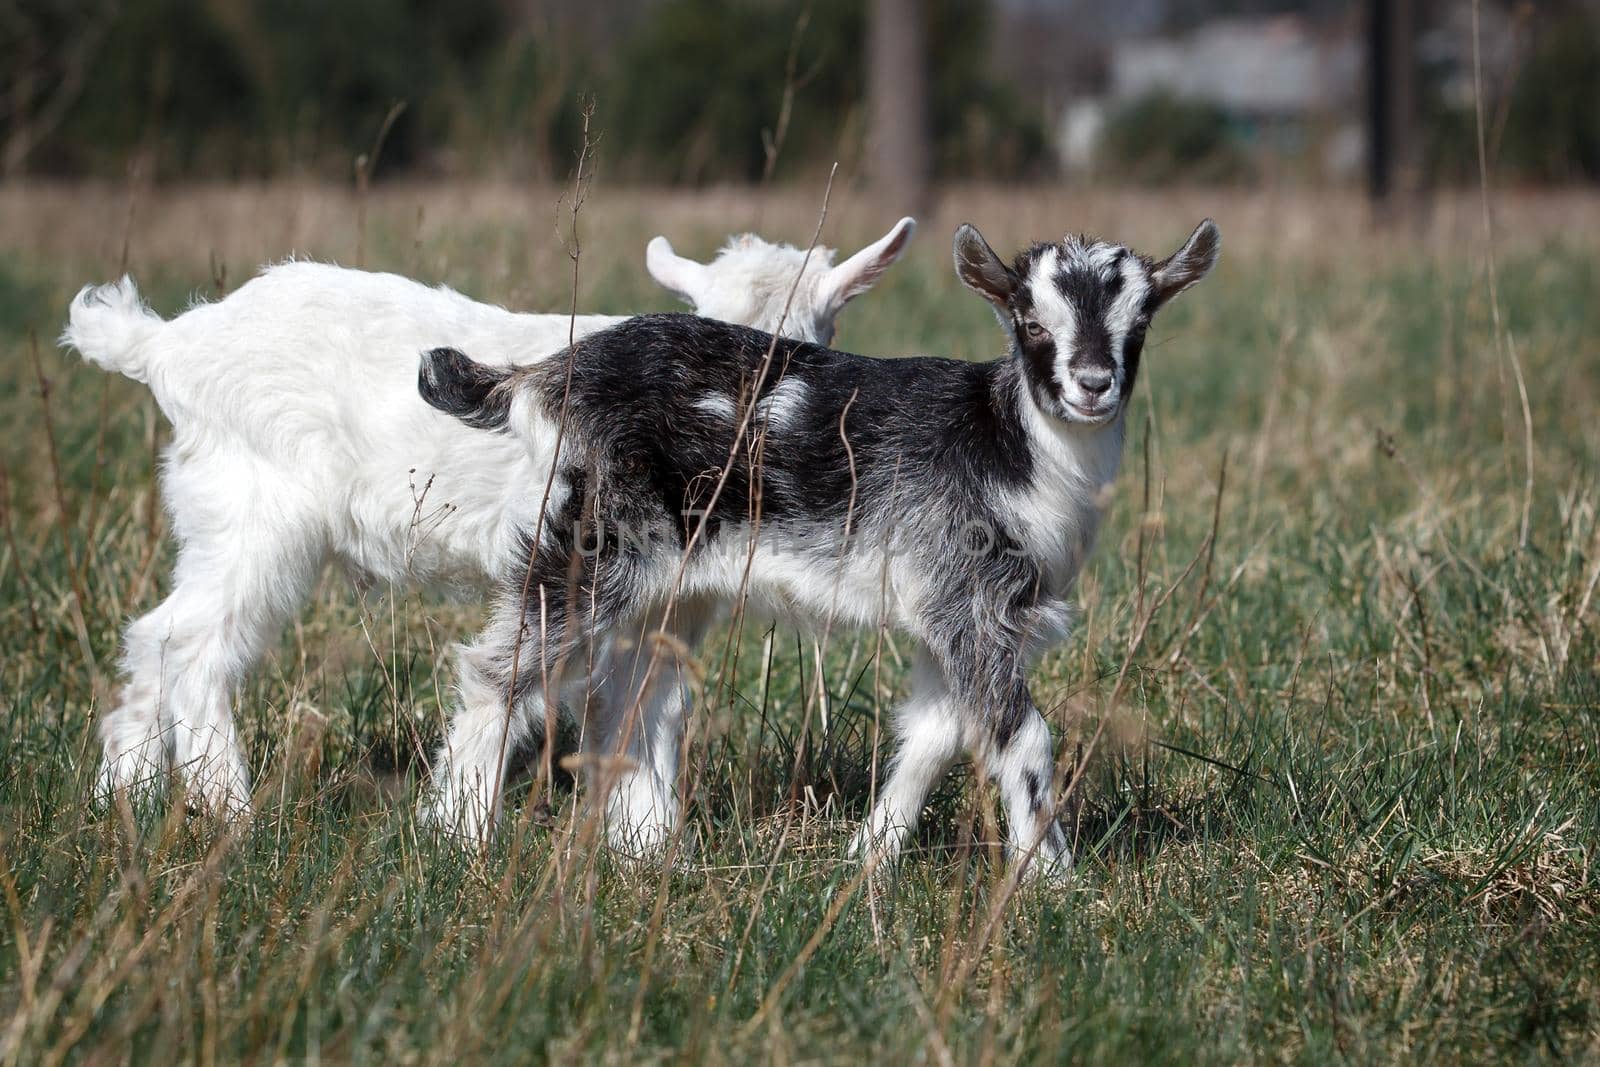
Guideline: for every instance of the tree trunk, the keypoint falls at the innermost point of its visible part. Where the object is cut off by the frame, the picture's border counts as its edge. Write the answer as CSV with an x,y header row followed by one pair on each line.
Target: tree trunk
x,y
1393,177
897,90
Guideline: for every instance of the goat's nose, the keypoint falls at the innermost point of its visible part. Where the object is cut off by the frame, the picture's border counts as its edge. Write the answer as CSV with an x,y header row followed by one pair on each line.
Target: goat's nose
x,y
1095,383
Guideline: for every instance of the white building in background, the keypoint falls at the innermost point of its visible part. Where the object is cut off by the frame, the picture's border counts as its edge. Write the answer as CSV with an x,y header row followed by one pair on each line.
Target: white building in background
x,y
1273,67
1274,76
1078,134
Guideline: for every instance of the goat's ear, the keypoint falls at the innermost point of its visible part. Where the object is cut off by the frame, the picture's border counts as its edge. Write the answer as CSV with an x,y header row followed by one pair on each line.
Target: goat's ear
x,y
671,271
466,389
1188,264
861,271
980,269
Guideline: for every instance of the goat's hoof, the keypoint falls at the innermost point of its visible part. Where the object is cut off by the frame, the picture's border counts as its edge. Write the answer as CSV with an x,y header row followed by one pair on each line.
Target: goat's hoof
x,y
137,772
879,852
113,784
220,807
639,863
1049,871
642,844
220,793
463,824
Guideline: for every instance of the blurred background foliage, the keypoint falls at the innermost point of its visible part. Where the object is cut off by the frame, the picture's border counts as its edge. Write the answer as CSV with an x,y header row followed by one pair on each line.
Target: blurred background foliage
x,y
1162,137
1545,125
694,91
685,90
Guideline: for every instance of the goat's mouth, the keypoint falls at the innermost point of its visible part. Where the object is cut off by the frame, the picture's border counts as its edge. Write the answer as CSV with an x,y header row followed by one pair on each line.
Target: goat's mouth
x,y
1092,412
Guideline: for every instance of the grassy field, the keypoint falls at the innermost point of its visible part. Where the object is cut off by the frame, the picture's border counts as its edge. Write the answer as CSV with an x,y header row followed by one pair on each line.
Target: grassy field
x,y
1332,712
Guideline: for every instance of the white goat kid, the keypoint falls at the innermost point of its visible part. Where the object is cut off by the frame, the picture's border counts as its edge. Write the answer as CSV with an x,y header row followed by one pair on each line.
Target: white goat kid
x,y
298,436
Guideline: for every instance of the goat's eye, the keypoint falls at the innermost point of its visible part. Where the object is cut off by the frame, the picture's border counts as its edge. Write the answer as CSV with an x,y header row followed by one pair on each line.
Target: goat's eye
x,y
1034,330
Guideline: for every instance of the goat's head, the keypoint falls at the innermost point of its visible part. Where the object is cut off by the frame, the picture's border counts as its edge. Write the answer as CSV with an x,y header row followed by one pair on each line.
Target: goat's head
x,y
1078,309
750,281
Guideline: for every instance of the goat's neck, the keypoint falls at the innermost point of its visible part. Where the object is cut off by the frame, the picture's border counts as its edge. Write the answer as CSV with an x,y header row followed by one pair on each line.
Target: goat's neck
x,y
1058,512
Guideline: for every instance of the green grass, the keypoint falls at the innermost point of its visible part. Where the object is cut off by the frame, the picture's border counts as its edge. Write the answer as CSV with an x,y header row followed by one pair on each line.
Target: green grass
x,y
1342,808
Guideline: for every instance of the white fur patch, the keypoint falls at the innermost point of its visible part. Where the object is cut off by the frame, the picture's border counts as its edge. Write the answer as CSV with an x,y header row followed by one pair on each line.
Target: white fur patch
x,y
1058,515
1050,308
804,578
1124,311
778,410
714,404
764,284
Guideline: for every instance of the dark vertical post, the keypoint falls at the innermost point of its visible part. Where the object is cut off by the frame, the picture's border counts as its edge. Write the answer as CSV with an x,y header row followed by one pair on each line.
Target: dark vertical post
x,y
897,88
1379,71
1405,185
1393,176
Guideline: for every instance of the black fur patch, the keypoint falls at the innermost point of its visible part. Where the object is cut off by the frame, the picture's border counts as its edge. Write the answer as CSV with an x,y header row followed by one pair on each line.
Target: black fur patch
x,y
1132,349
459,386
947,420
1035,791
1091,298
1039,357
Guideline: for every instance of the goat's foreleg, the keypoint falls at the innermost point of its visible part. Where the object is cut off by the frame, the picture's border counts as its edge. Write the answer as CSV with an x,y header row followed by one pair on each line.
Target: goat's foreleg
x,y
1021,757
1012,741
931,735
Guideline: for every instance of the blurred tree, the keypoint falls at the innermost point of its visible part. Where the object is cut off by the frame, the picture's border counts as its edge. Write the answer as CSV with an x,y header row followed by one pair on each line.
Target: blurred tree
x,y
897,86
1394,184
700,80
163,80
235,87
983,125
688,90
48,53
1552,129
324,74
1542,112
1165,138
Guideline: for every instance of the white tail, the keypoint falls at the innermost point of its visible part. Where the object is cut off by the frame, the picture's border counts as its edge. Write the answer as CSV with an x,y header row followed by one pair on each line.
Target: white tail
x,y
109,325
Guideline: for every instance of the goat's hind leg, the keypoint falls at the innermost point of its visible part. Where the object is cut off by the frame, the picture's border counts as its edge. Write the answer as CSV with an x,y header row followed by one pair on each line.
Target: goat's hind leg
x,y
639,704
489,723
506,677
133,739
232,590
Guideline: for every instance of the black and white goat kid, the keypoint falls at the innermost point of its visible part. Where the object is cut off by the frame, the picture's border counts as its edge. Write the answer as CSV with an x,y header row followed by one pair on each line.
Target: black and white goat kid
x,y
705,464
